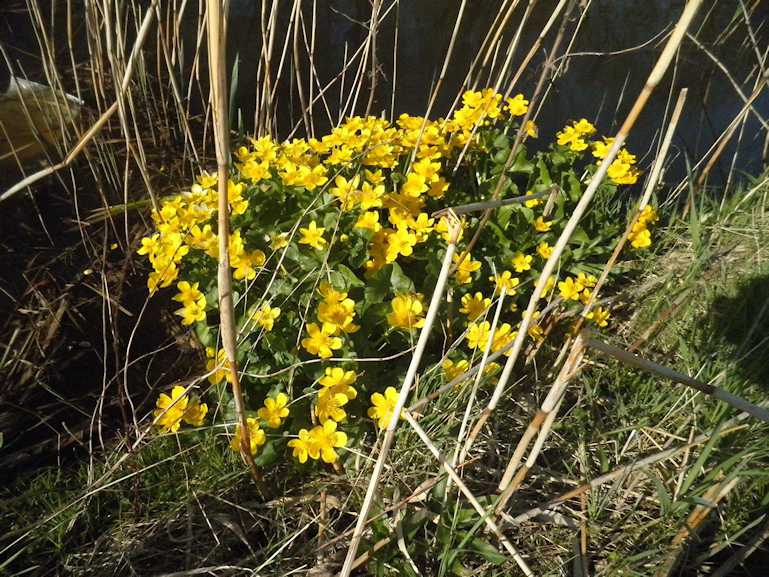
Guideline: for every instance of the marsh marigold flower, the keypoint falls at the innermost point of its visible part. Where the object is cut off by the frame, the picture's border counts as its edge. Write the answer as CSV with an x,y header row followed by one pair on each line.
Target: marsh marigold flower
x,y
384,407
474,305
505,279
465,271
522,262
408,311
301,446
274,410
256,436
541,226
324,439
599,316
265,316
544,250
330,405
313,236
219,362
173,407
322,340
478,335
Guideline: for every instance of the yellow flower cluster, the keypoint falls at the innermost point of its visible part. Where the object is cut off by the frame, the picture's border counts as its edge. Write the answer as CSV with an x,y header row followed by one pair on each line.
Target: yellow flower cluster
x,y
621,171
574,136
171,411
178,223
336,314
640,237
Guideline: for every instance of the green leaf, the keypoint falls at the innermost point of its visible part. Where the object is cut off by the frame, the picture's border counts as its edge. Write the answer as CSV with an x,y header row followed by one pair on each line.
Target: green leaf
x,y
349,276
399,281
488,552
377,289
544,175
662,491
522,164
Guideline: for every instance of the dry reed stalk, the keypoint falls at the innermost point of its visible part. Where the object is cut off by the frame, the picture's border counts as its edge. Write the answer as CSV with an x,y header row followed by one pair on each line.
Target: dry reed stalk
x,y
459,457
469,495
439,84
424,335
710,390
217,62
654,78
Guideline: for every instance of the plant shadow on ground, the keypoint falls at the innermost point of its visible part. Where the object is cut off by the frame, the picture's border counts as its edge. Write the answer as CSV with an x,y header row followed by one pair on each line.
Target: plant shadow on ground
x,y
737,322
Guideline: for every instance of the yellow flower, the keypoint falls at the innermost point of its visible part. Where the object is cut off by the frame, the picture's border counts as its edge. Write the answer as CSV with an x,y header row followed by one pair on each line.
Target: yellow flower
x,y
324,439
504,280
531,129
265,316
535,332
322,340
584,127
195,414
256,436
570,289
503,337
649,215
544,250
174,408
586,281
220,364
187,293
466,269
408,311
400,243
599,316
453,371
193,311
415,185
541,225
601,149
206,180
274,410
640,237
384,407
374,177
337,377
330,406
478,335
278,241
301,445
474,305
532,203
340,314
369,220
517,106
313,236
522,262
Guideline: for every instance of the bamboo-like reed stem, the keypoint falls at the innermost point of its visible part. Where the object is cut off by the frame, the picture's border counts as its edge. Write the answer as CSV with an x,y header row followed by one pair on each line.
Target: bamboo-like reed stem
x,y
720,394
217,61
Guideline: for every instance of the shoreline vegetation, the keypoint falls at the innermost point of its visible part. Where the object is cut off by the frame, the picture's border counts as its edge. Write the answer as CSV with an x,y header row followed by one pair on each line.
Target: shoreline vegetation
x,y
215,319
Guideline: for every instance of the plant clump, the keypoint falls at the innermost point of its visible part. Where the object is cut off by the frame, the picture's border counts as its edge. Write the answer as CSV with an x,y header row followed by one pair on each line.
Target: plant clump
x,y
334,243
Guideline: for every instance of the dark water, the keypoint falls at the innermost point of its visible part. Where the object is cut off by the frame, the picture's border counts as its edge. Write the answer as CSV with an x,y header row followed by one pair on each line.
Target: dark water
x,y
601,82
